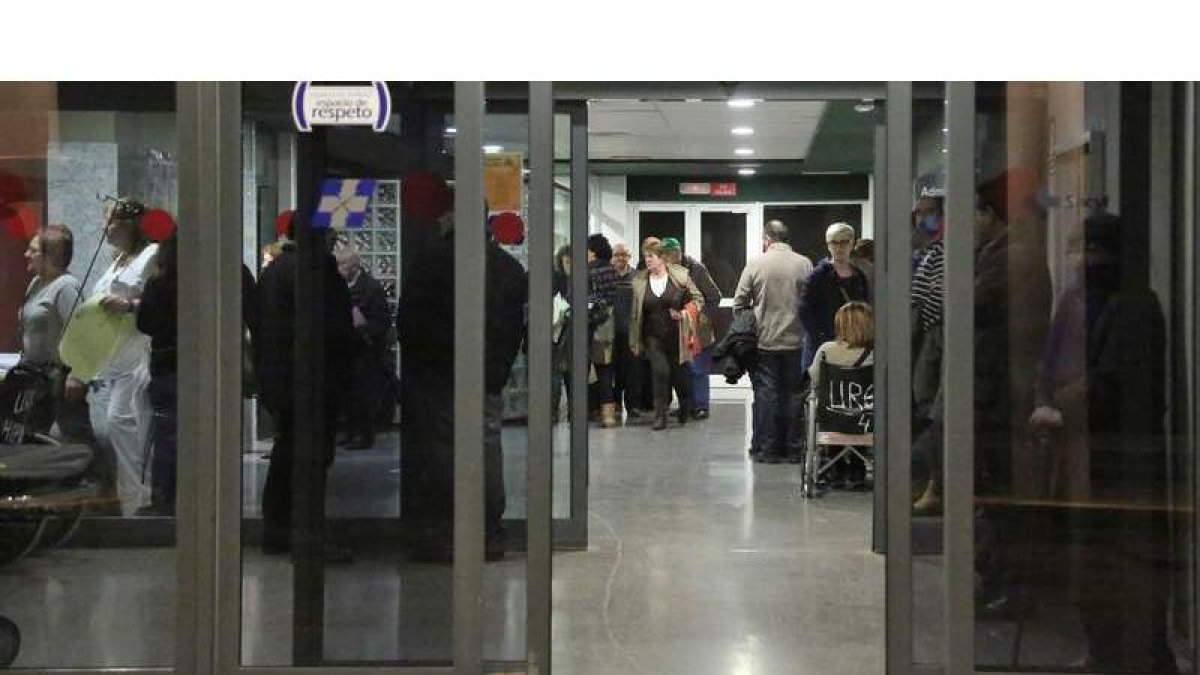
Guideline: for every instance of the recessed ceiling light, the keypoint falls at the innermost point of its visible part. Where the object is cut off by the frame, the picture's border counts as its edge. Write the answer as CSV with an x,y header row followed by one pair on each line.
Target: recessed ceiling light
x,y
866,105
744,151
450,131
741,103
493,149
741,131
747,171
692,100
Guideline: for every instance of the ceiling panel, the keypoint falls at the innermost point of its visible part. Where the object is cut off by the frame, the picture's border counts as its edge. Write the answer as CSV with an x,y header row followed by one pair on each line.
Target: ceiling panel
x,y
681,130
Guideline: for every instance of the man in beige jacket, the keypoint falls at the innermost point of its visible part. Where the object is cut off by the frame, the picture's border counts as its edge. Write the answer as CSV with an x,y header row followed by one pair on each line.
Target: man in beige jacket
x,y
771,286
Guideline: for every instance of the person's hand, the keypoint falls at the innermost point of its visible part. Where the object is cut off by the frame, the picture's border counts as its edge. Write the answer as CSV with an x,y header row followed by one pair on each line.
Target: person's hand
x,y
75,389
1045,416
115,304
676,314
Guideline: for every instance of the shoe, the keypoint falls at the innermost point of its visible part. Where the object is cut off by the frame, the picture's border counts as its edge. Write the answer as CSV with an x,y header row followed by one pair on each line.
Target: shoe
x,y
660,422
930,502
681,416
701,414
608,415
633,413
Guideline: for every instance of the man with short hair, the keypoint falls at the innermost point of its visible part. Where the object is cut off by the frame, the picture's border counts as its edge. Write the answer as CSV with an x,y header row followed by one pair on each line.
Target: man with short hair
x,y
771,285
372,319
702,363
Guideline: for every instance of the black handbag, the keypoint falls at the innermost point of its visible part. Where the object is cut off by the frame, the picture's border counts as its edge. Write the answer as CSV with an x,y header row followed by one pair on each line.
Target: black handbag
x,y
29,397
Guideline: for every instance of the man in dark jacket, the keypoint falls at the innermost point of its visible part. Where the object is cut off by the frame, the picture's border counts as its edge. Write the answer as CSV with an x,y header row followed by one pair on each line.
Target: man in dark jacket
x,y
275,366
701,365
372,319
426,331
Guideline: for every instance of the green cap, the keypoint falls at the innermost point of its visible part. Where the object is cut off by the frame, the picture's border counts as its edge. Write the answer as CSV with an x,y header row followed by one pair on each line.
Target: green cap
x,y
671,244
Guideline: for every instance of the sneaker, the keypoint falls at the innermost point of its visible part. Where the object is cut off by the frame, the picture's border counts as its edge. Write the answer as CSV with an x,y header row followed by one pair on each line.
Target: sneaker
x,y
701,414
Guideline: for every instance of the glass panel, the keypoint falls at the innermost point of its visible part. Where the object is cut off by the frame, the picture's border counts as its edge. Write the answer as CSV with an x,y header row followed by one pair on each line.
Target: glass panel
x,y
372,578
561,373
662,224
1083,458
723,247
88,186
928,336
807,223
506,391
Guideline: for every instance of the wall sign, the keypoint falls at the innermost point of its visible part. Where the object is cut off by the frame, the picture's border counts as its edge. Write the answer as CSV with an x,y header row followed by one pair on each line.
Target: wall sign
x,y
343,203
708,189
341,105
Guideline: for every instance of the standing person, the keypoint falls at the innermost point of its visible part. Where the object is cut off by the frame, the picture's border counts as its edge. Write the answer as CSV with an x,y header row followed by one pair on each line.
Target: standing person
x,y
426,331
275,371
626,367
645,378
117,405
702,364
833,283
49,301
660,295
156,317
602,288
863,257
561,332
772,285
372,321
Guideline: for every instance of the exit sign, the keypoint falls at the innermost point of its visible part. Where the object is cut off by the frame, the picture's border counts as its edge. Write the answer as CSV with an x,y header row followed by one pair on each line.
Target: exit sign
x,y
708,189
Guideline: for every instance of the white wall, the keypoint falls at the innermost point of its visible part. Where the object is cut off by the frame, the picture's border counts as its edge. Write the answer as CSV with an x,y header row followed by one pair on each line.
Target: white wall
x,y
608,211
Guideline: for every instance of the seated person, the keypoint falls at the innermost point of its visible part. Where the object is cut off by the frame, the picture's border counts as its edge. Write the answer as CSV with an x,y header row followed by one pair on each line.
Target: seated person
x,y
853,346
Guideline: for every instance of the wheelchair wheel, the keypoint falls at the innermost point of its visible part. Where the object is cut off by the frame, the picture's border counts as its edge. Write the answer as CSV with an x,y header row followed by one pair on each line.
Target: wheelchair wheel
x,y
19,536
808,484
10,642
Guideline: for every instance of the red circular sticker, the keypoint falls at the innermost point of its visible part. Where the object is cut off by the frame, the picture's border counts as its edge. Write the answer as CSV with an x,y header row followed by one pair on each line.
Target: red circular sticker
x,y
282,222
508,228
157,224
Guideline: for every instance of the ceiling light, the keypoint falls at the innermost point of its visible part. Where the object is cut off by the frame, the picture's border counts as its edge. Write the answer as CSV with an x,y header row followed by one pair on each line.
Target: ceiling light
x,y
741,103
493,149
747,171
865,106
450,131
741,131
744,151
692,100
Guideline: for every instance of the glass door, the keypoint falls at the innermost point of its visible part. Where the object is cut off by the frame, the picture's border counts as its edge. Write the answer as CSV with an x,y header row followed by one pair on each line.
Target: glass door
x,y
1048,526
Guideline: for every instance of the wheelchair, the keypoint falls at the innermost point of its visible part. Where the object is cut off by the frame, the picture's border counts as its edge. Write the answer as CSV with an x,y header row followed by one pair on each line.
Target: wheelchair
x,y
840,415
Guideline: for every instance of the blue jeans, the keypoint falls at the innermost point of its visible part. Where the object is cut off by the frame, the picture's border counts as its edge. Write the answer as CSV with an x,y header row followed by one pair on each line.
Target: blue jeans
x,y
700,366
778,404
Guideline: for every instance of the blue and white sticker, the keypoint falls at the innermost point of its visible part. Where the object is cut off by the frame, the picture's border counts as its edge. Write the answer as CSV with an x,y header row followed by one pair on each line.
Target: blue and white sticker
x,y
341,105
343,203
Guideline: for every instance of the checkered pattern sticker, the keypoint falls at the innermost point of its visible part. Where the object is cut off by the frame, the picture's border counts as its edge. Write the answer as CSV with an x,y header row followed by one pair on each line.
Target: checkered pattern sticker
x,y
343,203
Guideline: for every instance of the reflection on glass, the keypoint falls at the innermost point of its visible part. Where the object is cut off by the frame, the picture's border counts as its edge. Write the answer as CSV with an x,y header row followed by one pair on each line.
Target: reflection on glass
x,y
87,374
723,248
1079,480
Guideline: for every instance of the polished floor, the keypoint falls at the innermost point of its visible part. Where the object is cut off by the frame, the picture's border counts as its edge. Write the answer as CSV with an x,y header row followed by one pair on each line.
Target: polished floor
x,y
699,562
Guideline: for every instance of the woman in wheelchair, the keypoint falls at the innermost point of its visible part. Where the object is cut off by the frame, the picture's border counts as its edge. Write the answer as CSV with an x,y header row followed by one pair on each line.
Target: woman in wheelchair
x,y
852,347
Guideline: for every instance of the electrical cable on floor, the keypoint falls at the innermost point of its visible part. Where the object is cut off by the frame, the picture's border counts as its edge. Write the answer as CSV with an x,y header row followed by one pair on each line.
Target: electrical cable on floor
x,y
608,588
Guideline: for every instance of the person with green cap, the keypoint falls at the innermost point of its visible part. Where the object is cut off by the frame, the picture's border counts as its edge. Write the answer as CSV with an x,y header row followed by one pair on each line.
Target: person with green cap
x,y
702,363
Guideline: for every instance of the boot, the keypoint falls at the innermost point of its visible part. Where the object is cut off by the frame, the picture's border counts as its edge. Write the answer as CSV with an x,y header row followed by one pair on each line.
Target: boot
x,y
608,415
660,421
930,502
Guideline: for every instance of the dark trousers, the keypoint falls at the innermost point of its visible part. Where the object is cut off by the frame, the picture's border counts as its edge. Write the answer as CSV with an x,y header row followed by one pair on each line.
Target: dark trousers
x,y
700,367
427,463
667,373
602,388
777,412
164,404
627,375
277,491
365,395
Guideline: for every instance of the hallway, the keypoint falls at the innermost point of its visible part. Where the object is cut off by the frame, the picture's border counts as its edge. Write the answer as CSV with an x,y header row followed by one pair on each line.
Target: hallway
x,y
704,563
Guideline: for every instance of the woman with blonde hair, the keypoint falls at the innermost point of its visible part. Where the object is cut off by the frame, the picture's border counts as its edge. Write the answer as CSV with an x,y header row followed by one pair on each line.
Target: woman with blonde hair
x,y
854,327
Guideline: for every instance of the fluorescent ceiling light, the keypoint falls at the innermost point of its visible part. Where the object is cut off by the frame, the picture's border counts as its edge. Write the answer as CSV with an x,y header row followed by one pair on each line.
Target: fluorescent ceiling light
x,y
746,171
744,151
741,131
741,103
493,149
450,131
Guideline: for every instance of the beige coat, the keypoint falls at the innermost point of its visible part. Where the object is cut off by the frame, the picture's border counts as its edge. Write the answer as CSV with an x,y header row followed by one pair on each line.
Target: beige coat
x,y
677,275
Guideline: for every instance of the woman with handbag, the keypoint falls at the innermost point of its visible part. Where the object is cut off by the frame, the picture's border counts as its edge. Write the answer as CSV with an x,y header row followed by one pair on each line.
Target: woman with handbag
x,y
49,301
661,293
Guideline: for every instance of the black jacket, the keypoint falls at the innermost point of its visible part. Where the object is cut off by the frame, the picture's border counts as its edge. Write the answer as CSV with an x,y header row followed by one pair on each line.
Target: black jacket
x,y
737,352
368,296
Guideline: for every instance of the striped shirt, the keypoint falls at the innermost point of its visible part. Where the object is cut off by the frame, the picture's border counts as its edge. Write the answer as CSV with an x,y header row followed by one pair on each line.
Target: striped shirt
x,y
928,286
